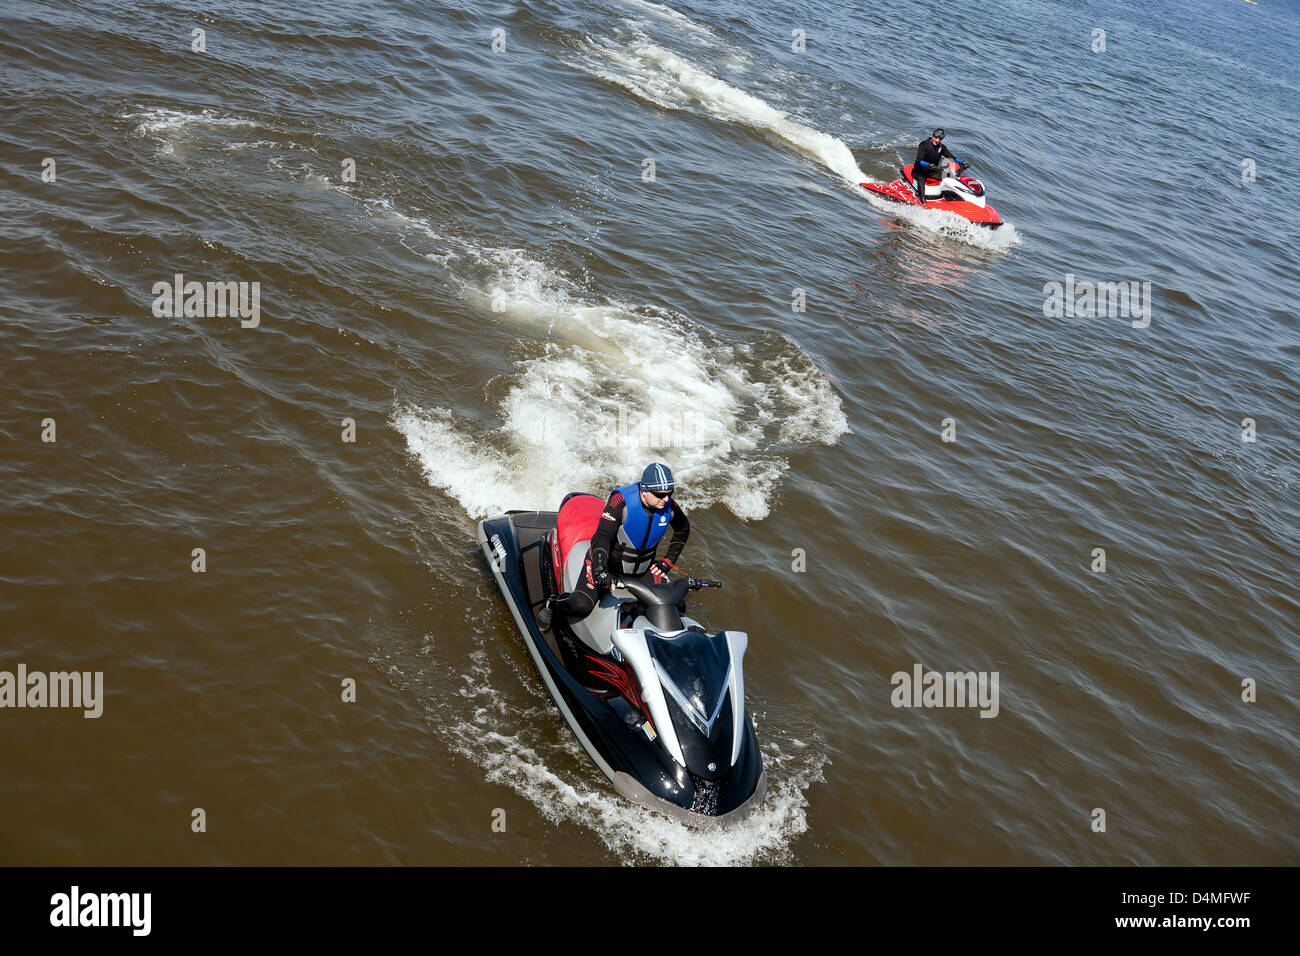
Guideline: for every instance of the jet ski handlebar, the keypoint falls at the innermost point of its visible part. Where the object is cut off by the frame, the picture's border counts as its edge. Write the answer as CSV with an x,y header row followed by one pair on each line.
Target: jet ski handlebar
x,y
663,601
651,593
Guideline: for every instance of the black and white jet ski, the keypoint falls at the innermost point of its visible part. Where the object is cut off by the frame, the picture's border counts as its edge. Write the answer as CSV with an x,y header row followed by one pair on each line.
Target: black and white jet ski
x,y
655,699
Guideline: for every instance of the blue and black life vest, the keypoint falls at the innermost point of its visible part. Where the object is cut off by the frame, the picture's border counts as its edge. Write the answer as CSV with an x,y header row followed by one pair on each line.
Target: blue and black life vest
x,y
639,534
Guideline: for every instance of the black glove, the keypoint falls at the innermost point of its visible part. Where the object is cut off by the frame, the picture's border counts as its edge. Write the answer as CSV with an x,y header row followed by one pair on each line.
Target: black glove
x,y
661,567
600,569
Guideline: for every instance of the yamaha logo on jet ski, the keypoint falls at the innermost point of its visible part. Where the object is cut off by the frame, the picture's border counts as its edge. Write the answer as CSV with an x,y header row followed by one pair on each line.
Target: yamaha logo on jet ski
x,y
655,699
498,553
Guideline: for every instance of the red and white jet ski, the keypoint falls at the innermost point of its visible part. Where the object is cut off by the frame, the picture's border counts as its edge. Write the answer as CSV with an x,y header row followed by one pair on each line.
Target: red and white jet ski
x,y
963,195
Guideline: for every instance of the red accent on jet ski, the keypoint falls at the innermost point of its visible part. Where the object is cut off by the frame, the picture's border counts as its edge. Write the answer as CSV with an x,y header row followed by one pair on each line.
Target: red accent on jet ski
x,y
576,522
621,680
900,190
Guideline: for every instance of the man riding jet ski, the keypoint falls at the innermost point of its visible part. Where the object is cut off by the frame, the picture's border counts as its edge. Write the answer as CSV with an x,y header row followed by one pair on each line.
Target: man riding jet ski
x,y
936,182
655,698
930,162
635,517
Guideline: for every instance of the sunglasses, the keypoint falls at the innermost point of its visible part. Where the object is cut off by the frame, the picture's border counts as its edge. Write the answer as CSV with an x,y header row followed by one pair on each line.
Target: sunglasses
x,y
658,495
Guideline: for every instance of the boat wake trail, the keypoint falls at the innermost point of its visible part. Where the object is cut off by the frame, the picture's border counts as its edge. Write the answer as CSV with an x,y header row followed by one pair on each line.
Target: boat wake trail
x,y
589,405
668,80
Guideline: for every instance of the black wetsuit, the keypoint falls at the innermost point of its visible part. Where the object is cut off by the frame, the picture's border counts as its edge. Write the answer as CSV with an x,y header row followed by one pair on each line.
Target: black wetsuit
x,y
928,159
582,600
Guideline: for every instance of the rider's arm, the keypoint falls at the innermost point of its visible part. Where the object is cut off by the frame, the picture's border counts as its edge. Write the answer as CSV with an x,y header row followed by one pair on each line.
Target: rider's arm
x,y
603,539
681,531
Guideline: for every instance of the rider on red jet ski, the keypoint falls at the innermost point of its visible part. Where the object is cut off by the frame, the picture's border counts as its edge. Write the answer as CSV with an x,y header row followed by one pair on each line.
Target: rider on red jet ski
x,y
930,162
635,517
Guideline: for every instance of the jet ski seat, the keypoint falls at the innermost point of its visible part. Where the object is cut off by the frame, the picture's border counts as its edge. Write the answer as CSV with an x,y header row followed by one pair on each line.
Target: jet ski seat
x,y
574,525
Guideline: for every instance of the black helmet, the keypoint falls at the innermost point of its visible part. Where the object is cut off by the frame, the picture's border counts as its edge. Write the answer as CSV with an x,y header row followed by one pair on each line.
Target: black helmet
x,y
656,478
938,133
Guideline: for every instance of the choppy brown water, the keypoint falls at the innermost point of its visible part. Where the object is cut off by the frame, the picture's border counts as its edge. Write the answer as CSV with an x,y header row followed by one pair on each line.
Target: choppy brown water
x,y
499,283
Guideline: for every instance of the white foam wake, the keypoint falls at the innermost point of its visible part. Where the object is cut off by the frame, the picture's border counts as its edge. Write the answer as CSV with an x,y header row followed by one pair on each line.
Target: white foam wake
x,y
173,127
605,387
678,19
672,82
602,387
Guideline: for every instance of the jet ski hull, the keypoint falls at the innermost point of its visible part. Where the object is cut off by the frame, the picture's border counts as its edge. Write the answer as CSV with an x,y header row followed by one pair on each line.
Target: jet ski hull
x,y
900,191
586,688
